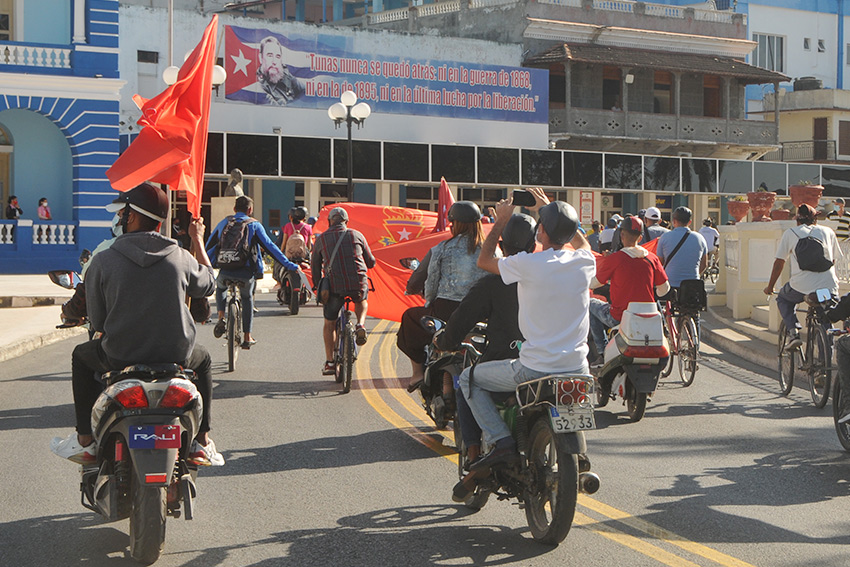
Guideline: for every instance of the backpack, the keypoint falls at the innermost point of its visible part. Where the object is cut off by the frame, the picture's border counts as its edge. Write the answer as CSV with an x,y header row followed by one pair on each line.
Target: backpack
x,y
811,254
234,249
296,246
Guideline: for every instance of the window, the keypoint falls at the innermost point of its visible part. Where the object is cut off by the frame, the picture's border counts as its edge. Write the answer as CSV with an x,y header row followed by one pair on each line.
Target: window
x,y
147,56
807,44
847,51
770,52
5,27
821,46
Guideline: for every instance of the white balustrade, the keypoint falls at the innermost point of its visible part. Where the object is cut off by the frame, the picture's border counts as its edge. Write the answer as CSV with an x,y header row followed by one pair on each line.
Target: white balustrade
x,y
7,233
53,233
663,11
396,15
439,8
488,3
35,56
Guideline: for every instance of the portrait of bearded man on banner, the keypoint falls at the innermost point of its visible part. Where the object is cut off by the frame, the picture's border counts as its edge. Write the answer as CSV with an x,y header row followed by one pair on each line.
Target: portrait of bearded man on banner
x,y
273,75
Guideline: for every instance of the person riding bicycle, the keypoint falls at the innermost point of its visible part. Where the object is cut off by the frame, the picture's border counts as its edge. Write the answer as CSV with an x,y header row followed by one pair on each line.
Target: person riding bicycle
x,y
635,274
842,354
813,250
652,228
495,302
345,256
136,296
552,294
234,246
682,252
452,270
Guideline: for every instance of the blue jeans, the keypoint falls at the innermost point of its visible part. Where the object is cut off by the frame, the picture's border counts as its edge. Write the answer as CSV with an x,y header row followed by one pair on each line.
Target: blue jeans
x,y
246,292
786,301
600,321
497,376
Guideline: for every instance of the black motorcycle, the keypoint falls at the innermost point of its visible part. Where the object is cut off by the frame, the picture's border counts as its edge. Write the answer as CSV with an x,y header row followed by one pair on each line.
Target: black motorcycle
x,y
292,292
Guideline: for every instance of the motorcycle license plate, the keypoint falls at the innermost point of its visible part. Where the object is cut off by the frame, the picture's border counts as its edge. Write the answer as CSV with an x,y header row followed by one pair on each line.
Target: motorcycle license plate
x,y
154,437
573,409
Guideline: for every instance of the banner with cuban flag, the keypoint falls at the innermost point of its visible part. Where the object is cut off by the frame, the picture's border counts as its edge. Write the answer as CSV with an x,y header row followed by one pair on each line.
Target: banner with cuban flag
x,y
312,70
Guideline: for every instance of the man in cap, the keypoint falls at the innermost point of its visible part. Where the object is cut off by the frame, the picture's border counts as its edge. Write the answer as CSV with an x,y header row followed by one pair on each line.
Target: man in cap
x,y
136,296
635,274
552,295
839,215
346,257
237,232
682,252
803,281
652,229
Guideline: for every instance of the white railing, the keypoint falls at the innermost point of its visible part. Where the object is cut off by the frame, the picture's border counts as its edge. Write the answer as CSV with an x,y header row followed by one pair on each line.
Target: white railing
x,y
488,3
53,233
712,16
35,56
663,11
657,10
438,8
614,5
7,233
396,15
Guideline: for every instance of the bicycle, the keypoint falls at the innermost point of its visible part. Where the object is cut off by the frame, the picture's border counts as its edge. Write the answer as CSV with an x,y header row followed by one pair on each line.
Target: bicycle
x,y
233,329
680,328
712,271
345,349
815,355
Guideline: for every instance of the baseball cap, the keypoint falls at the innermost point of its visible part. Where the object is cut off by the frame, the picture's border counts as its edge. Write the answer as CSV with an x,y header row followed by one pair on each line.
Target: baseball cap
x,y
653,213
560,220
145,199
617,217
632,224
806,211
338,212
838,201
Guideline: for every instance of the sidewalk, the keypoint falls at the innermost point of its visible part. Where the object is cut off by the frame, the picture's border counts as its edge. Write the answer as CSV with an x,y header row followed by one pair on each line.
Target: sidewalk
x,y
30,309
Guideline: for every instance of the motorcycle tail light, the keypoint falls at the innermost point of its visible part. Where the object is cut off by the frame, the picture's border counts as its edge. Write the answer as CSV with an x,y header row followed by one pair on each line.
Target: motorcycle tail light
x,y
132,398
572,392
659,351
176,397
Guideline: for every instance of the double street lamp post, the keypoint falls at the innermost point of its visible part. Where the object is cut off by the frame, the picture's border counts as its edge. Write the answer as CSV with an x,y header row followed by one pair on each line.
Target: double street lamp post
x,y
348,110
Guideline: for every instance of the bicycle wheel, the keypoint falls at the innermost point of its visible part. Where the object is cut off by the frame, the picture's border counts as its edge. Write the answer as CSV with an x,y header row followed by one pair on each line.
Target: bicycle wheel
x,y
820,372
234,334
787,362
688,349
348,355
671,343
339,367
842,429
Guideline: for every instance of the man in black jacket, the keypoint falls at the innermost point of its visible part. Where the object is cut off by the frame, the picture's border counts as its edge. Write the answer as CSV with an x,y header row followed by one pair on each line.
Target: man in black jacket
x,y
492,301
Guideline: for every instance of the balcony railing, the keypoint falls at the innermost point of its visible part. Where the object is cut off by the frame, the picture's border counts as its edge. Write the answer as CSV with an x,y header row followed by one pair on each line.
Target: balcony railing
x,y
807,150
35,55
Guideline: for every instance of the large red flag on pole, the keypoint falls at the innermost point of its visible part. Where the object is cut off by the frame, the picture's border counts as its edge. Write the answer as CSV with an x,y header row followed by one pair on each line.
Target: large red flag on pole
x,y
172,145
445,200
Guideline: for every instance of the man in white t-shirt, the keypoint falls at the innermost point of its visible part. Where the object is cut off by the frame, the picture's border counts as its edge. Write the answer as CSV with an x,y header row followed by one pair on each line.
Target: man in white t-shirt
x,y
552,291
710,234
802,282
606,237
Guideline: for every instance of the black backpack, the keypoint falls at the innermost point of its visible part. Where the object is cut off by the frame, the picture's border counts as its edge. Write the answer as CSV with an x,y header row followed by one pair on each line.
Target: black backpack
x,y
234,249
811,254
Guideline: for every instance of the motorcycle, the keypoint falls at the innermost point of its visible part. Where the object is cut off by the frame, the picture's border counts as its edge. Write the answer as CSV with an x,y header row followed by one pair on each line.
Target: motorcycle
x,y
294,290
547,418
144,423
438,364
635,356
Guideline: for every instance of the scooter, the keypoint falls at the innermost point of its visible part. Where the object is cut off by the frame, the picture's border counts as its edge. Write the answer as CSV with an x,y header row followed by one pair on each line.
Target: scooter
x,y
636,353
294,289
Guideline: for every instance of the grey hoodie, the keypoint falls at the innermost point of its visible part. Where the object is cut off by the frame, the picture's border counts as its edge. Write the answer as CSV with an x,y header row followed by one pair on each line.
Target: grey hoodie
x,y
136,294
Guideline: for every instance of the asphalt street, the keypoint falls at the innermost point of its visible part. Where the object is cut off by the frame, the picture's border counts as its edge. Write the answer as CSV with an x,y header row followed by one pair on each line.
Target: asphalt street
x,y
725,472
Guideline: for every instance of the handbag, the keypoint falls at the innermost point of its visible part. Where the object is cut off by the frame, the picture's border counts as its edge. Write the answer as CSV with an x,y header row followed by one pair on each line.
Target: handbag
x,y
323,289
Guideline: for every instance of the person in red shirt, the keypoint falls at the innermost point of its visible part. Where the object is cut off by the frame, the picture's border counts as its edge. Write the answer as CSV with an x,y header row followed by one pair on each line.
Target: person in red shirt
x,y
635,274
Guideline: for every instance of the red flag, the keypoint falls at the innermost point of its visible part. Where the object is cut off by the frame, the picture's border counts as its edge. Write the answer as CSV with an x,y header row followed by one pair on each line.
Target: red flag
x,y
444,203
172,146
380,225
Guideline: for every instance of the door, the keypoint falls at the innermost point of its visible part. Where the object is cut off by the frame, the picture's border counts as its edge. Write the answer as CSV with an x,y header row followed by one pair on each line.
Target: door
x,y
820,139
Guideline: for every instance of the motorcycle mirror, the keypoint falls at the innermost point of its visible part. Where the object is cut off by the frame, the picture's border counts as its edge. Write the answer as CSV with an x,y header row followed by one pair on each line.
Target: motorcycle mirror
x,y
64,278
409,263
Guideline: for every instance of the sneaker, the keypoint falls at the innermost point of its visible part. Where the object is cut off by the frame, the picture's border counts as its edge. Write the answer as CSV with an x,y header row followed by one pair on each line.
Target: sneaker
x,y
360,335
70,448
794,341
219,328
598,363
205,455
328,369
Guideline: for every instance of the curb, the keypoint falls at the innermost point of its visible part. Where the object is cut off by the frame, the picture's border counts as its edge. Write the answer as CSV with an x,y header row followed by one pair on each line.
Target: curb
x,y
31,301
29,344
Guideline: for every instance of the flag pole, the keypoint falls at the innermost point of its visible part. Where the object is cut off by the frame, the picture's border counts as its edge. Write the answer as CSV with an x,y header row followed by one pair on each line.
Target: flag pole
x,y
168,222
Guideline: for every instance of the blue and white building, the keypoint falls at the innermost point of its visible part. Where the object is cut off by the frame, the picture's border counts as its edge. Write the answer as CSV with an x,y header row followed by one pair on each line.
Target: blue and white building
x,y
59,114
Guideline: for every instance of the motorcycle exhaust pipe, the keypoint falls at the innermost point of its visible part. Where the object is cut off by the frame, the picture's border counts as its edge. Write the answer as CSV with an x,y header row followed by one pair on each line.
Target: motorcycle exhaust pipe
x,y
588,482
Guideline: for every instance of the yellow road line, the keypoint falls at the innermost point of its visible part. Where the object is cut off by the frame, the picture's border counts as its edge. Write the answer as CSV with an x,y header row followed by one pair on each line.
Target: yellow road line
x,y
372,396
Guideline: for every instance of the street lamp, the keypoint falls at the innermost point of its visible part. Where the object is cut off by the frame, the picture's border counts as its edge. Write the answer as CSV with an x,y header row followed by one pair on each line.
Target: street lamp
x,y
348,110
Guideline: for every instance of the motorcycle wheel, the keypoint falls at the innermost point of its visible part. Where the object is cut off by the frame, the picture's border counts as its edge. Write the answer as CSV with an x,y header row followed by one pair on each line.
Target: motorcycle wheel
x,y
787,363
234,336
294,302
688,350
635,404
147,521
820,374
479,496
842,429
550,498
603,394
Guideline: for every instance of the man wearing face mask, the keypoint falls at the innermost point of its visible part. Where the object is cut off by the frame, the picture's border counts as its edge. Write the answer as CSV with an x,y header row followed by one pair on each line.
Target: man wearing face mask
x,y
136,297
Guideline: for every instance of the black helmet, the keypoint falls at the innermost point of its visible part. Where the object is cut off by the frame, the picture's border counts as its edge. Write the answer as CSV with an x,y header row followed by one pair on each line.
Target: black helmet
x,y
518,235
146,199
708,222
298,213
464,211
560,221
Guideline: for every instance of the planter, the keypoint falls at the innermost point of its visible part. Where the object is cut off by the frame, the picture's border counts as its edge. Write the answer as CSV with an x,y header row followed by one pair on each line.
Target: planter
x,y
809,194
738,209
760,203
780,214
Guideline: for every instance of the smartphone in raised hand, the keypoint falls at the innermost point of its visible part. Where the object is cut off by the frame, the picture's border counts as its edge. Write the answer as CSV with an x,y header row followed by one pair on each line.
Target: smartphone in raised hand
x,y
523,198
